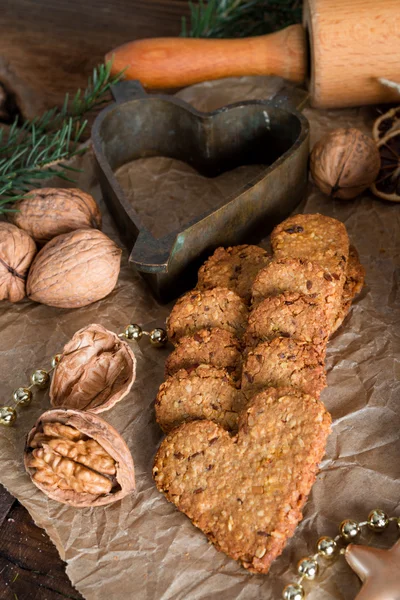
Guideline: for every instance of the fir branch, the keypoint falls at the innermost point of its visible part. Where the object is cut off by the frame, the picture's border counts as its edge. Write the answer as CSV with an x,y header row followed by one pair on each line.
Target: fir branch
x,y
240,18
36,150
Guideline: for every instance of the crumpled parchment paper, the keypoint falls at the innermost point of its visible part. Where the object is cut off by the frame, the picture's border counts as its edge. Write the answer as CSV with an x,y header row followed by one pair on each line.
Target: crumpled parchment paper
x,y
172,182
142,548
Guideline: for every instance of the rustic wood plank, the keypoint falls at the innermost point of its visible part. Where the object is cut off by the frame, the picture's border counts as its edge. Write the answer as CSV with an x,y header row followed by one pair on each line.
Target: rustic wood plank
x,y
49,47
30,568
6,502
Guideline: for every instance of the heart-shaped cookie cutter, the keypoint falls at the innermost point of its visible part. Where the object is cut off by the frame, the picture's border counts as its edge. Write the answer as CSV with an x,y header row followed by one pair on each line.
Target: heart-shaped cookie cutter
x,y
270,132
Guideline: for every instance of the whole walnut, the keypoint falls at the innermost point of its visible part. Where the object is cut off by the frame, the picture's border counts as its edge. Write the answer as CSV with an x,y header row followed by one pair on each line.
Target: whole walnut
x,y
74,269
344,163
96,370
17,251
48,212
76,458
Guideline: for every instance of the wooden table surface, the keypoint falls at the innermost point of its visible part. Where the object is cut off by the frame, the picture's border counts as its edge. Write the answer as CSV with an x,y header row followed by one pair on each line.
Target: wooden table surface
x,y
48,48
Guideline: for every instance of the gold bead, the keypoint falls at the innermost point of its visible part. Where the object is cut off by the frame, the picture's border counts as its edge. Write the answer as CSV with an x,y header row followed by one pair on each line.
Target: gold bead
x,y
40,377
326,547
7,415
55,360
377,520
349,530
133,332
308,567
22,396
293,591
158,337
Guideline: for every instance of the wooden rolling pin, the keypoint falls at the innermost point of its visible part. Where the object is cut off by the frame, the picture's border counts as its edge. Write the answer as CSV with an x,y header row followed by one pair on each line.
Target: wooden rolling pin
x,y
353,43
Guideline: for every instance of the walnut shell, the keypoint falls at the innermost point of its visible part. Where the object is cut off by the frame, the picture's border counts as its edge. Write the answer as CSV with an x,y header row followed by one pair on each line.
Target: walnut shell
x,y
77,458
17,251
74,269
344,163
96,370
48,212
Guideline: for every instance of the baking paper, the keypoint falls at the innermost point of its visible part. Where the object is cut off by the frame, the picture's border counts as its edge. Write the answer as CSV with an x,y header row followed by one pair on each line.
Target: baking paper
x,y
142,548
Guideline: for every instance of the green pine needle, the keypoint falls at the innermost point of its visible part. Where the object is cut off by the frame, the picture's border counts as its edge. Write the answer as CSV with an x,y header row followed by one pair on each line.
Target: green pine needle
x,y
36,150
240,18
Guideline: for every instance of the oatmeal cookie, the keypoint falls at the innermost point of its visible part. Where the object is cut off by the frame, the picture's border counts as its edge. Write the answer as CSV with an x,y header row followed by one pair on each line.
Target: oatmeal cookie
x,y
203,393
321,240
315,237
354,283
234,268
199,309
284,362
301,276
288,315
215,347
246,492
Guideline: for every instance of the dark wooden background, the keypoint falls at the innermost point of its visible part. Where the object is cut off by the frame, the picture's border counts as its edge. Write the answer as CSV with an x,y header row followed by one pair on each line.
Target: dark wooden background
x,y
48,48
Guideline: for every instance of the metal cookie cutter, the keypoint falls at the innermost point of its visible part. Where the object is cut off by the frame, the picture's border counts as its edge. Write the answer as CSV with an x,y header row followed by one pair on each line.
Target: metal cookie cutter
x,y
270,132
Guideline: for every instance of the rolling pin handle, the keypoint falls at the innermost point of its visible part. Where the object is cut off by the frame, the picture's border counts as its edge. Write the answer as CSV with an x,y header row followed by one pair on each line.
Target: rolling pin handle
x,y
163,63
128,90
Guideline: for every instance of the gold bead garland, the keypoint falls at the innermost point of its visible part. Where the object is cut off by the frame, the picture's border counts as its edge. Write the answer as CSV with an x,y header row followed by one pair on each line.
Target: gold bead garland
x,y
22,396
40,378
158,337
327,548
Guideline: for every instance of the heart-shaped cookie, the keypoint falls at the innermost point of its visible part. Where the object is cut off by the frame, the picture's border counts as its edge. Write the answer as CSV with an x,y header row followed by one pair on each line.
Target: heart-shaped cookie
x,y
246,492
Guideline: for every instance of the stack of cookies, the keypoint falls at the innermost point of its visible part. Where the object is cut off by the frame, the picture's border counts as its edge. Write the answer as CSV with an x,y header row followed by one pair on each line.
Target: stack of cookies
x,y
246,429
207,326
